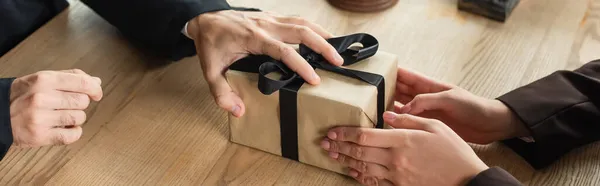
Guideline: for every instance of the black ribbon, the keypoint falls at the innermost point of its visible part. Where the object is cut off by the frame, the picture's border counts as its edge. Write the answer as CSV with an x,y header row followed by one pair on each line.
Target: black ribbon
x,y
290,82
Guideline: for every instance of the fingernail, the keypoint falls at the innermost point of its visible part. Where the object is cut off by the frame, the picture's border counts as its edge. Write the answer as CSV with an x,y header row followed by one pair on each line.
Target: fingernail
x,y
332,135
339,58
235,110
333,155
389,116
98,80
325,144
316,77
405,109
354,174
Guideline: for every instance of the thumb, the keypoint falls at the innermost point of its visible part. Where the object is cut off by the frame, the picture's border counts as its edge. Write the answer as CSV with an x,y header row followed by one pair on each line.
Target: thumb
x,y
424,102
67,135
225,97
405,121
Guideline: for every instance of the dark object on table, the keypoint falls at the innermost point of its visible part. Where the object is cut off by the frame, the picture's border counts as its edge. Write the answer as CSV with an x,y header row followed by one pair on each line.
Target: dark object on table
x,y
497,10
363,5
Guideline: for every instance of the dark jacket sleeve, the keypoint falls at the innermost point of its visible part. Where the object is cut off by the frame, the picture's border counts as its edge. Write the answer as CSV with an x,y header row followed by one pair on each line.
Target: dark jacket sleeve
x,y
155,25
6,137
493,176
561,112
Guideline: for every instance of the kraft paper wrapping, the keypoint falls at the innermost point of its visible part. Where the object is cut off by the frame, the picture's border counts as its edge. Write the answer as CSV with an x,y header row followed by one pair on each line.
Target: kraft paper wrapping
x,y
337,101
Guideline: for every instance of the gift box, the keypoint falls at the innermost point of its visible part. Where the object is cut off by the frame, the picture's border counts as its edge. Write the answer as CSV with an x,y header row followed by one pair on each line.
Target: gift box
x,y
287,117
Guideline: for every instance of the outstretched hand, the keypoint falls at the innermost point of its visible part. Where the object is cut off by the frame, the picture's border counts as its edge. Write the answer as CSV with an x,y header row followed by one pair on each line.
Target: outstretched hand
x,y
474,118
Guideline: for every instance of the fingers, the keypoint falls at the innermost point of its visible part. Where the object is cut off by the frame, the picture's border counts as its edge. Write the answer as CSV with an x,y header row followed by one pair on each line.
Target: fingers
x,y
402,98
65,118
291,33
281,51
362,136
362,153
411,83
424,102
406,121
58,100
78,71
365,168
300,21
63,136
70,82
368,180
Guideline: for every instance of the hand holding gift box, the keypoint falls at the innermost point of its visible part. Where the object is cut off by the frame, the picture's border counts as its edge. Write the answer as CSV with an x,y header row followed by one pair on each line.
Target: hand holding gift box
x,y
288,117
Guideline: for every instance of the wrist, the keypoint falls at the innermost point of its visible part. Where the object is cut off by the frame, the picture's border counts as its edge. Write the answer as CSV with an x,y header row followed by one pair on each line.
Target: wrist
x,y
205,20
478,169
513,126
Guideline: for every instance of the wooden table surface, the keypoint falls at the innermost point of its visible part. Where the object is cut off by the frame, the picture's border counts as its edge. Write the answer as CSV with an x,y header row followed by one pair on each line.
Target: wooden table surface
x,y
159,125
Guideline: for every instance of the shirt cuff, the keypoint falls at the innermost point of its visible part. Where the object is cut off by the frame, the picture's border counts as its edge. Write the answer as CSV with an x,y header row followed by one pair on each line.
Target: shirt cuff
x,y
6,137
494,176
184,30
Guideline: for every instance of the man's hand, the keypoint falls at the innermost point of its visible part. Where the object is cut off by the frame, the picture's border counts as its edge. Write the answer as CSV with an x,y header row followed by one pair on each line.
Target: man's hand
x,y
475,119
46,108
418,151
223,37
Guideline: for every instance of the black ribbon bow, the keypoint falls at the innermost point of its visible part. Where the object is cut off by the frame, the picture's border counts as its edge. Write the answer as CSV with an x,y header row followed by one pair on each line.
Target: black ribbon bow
x,y
290,82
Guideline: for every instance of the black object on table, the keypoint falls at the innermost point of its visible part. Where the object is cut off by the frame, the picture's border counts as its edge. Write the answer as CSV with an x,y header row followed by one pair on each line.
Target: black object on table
x,y
498,10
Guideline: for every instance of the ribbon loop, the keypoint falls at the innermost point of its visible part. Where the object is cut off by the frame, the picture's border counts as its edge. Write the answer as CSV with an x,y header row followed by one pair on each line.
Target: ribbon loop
x,y
267,85
265,64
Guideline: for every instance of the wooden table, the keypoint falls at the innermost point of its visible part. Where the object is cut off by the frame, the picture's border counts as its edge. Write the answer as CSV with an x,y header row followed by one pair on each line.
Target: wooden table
x,y
159,126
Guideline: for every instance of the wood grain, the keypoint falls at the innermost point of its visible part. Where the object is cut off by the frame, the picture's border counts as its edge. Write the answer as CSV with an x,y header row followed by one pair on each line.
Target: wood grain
x,y
157,125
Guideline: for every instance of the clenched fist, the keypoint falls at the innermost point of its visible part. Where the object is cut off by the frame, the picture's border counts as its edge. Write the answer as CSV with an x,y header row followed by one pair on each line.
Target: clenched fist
x,y
46,107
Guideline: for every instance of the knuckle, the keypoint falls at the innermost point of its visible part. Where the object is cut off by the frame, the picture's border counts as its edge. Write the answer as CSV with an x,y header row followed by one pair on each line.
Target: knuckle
x,y
78,71
334,147
362,167
447,95
356,151
263,23
221,102
298,20
434,125
285,51
37,100
401,118
272,14
61,139
252,33
341,133
85,84
68,119
78,101
361,136
42,77
342,159
419,97
302,31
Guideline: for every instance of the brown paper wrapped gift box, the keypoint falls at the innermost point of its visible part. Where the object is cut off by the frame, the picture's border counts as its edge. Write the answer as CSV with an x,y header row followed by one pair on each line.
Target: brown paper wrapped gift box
x,y
337,101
